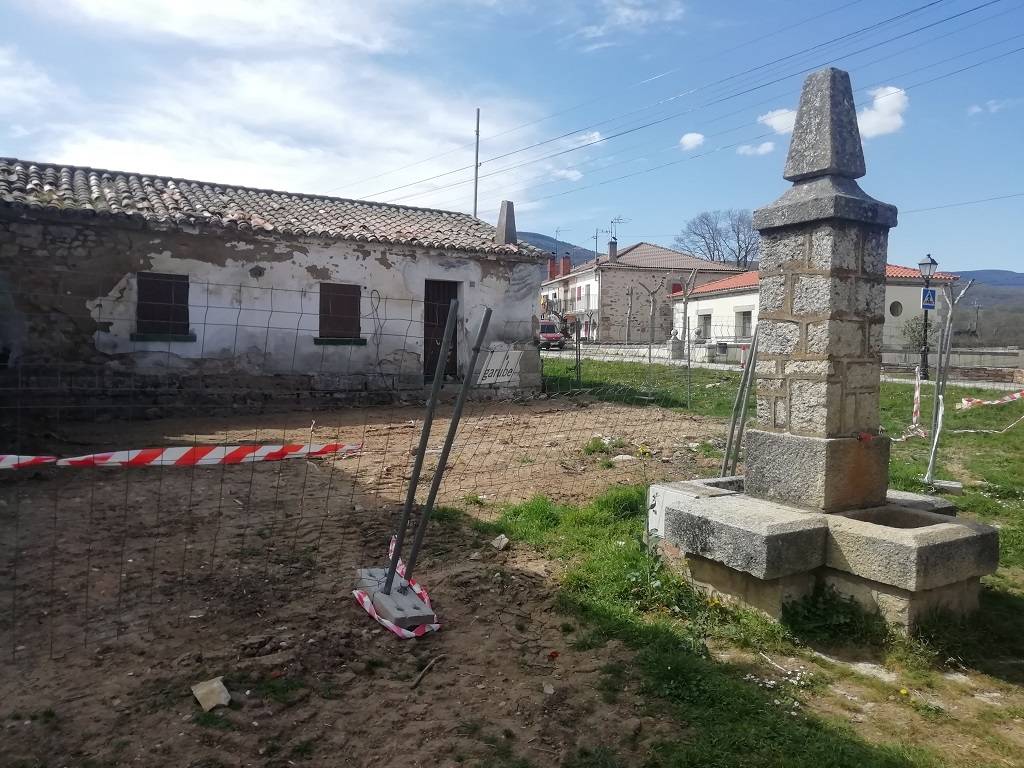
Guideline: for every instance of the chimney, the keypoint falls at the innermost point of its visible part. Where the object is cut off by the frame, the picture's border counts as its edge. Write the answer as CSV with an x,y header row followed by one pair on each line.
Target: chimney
x,y
613,250
566,264
506,230
552,268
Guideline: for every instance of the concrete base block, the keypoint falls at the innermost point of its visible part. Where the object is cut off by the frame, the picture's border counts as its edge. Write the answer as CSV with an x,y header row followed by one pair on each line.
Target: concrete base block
x,y
909,548
762,538
922,502
765,595
827,474
902,607
402,608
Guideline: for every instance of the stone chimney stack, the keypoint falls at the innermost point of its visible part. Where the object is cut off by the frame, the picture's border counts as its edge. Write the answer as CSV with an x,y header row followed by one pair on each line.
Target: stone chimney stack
x,y
613,250
552,267
506,229
822,295
566,264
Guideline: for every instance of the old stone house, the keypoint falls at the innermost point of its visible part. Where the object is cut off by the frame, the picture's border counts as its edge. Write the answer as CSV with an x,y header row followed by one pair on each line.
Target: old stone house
x,y
610,297
147,275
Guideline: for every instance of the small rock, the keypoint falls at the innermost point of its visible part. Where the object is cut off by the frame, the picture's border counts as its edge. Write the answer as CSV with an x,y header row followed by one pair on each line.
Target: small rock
x,y
211,693
622,458
500,542
549,689
475,556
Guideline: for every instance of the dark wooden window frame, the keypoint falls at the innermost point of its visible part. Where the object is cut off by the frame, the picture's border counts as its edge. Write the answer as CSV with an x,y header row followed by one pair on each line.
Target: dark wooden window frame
x,y
161,311
340,323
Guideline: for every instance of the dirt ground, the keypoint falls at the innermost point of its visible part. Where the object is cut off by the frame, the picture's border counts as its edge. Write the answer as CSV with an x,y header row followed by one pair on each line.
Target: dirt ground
x,y
122,588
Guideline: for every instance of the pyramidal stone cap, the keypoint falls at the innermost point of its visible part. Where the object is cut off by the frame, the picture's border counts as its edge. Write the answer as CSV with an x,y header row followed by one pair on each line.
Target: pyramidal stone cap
x,y
826,139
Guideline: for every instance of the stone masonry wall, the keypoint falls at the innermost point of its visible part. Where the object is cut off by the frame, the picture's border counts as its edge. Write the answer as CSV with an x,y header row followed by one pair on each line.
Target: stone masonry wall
x,y
822,304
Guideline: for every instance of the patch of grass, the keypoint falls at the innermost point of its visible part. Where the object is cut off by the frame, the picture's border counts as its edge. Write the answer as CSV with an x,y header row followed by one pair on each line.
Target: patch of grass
x,y
280,690
567,627
606,463
827,618
601,445
620,589
468,728
474,499
447,516
597,758
213,720
709,450
613,678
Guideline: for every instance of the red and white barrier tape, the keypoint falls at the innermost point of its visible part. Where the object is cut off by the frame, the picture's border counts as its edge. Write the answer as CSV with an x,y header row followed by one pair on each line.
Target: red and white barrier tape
x,y
406,634
973,402
194,456
914,429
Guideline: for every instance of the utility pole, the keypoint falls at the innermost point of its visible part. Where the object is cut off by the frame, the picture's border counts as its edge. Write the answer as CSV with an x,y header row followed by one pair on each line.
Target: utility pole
x,y
476,162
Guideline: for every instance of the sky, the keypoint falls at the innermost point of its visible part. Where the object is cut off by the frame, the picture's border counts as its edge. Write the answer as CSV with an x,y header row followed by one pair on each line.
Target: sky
x,y
644,111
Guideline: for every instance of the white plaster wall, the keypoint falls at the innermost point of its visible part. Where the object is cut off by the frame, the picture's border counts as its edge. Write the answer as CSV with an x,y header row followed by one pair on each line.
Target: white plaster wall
x,y
268,324
722,309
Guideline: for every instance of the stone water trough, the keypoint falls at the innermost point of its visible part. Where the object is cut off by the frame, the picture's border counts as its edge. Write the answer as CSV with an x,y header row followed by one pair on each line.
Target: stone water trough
x,y
814,504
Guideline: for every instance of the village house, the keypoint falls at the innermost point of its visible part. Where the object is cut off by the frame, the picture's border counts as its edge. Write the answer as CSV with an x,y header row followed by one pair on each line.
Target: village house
x,y
144,274
723,313
610,297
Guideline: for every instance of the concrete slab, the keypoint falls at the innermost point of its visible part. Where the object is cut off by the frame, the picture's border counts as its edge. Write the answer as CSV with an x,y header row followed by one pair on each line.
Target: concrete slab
x,y
921,501
402,608
763,538
663,495
765,595
904,608
910,548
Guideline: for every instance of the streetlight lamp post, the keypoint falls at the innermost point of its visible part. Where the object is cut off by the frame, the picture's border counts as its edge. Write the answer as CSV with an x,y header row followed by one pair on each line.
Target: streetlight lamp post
x,y
927,267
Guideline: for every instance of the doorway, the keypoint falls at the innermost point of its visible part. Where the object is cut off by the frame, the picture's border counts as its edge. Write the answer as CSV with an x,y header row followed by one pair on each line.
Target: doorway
x,y
437,296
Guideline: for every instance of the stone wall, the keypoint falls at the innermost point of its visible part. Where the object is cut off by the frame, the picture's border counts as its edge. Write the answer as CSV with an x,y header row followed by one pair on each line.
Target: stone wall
x,y
69,297
615,285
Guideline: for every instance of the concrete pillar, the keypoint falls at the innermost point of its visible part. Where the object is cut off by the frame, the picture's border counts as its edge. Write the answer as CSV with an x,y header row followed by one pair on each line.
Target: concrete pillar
x,y
505,231
822,294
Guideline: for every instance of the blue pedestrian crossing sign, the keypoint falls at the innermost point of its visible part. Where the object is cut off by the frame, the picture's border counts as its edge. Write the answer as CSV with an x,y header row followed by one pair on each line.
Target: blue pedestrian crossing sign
x,y
927,298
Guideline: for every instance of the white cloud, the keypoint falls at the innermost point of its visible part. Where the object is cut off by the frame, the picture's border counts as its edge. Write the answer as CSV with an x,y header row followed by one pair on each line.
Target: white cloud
x,y
631,16
334,124
292,24
760,149
569,174
691,140
992,106
590,137
885,114
26,89
779,120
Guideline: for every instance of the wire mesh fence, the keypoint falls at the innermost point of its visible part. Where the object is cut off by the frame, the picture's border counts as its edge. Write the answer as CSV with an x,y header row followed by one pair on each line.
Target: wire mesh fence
x,y
101,550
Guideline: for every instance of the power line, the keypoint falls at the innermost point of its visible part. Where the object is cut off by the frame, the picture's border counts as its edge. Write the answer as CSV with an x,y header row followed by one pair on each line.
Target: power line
x,y
524,184
964,202
672,116
692,109
750,70
638,83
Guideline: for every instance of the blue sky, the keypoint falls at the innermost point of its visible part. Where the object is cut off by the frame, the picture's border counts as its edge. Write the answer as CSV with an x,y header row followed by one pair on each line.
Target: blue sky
x,y
371,99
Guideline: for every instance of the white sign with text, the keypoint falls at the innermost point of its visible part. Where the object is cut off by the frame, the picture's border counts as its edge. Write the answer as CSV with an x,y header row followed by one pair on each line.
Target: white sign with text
x,y
500,367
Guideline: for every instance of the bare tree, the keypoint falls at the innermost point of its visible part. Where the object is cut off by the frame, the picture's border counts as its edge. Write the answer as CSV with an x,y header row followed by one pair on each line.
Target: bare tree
x,y
727,236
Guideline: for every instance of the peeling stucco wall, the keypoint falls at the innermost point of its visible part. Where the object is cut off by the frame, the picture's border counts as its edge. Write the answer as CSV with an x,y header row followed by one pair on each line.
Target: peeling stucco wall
x,y
69,293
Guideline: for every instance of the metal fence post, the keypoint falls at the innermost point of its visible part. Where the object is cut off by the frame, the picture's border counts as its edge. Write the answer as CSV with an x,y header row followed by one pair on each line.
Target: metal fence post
x,y
428,420
453,427
579,375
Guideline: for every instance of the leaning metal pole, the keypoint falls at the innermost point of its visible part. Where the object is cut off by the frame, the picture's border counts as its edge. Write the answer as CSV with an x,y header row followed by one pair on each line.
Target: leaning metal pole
x,y
740,394
752,364
428,420
442,462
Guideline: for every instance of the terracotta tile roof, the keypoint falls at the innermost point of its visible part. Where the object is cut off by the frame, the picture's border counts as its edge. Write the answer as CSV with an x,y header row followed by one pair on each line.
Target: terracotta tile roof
x,y
896,272
651,256
747,281
29,188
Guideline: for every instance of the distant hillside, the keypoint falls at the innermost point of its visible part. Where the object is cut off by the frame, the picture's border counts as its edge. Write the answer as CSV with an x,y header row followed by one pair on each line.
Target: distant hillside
x,y
547,243
999,277
992,312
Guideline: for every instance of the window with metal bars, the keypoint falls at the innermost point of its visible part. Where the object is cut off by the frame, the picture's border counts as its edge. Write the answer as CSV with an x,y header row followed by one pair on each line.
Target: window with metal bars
x,y
161,312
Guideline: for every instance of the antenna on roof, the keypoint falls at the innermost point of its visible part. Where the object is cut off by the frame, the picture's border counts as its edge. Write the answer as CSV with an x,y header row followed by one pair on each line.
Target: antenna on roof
x,y
614,223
